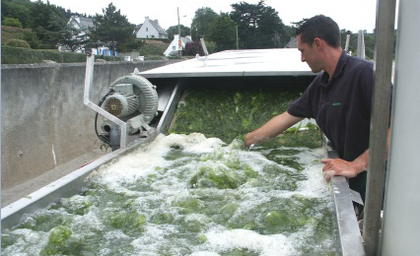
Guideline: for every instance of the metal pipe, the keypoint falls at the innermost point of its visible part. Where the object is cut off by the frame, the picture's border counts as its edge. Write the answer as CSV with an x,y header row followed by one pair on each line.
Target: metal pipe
x,y
179,34
379,124
361,45
90,61
346,48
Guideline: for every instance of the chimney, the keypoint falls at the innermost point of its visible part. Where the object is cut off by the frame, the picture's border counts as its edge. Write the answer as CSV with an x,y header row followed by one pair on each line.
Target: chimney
x,y
157,21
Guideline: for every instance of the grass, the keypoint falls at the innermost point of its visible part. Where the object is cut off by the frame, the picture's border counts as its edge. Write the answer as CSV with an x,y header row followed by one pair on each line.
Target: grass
x,y
8,33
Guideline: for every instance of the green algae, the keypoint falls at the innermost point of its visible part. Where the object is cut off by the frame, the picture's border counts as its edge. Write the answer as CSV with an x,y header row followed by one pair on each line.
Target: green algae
x,y
60,235
230,113
215,185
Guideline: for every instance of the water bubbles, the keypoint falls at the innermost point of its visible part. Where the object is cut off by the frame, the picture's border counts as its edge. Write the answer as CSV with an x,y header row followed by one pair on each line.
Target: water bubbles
x,y
190,195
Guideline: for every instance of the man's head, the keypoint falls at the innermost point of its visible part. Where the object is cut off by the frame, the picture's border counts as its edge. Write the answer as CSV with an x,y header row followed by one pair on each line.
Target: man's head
x,y
315,36
322,27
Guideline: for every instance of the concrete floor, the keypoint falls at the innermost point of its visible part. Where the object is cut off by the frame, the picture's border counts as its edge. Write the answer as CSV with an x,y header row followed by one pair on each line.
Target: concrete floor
x,y
11,195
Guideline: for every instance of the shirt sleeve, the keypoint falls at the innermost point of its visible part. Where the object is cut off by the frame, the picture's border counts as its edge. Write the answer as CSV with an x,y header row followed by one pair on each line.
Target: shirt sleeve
x,y
302,107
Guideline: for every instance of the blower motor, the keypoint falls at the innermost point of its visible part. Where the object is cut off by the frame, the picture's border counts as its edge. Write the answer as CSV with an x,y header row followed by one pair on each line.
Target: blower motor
x,y
134,100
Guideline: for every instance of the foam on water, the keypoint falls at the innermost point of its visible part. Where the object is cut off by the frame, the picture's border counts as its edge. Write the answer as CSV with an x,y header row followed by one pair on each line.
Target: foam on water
x,y
264,245
192,195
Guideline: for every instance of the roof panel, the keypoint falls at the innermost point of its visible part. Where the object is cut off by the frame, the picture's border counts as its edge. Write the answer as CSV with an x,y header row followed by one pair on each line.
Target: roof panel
x,y
257,62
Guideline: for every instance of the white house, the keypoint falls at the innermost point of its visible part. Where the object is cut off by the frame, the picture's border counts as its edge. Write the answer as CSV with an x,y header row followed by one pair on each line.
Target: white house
x,y
150,29
174,47
82,24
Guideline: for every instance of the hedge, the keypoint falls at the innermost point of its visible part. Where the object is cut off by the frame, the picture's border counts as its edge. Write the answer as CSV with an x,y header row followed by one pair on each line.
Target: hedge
x,y
18,55
18,43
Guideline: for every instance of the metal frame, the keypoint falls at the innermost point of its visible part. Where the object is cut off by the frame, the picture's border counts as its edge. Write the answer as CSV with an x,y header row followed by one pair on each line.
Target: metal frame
x,y
86,100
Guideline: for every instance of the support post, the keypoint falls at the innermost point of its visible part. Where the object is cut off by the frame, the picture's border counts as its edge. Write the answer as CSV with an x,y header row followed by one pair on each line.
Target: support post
x,y
385,19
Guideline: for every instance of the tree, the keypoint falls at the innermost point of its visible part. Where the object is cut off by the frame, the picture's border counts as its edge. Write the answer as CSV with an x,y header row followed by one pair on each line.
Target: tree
x,y
172,30
259,26
48,23
73,39
16,11
201,22
222,31
113,30
193,48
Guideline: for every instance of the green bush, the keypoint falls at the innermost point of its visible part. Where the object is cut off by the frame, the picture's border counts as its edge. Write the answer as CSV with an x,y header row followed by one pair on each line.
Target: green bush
x,y
12,22
211,47
18,43
32,39
19,55
153,50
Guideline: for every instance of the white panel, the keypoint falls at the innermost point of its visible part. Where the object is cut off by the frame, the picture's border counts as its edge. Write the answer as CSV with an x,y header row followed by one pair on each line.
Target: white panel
x,y
401,230
285,61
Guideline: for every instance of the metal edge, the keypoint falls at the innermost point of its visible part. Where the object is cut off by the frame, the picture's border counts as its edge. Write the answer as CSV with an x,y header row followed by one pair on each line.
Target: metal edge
x,y
351,240
227,74
64,187
170,109
350,237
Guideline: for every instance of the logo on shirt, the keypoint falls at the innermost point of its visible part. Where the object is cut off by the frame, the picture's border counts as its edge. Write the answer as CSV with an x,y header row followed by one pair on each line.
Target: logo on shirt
x,y
336,104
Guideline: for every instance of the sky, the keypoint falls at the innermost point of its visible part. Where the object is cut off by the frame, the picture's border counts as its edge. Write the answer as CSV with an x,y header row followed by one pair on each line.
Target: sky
x,y
351,15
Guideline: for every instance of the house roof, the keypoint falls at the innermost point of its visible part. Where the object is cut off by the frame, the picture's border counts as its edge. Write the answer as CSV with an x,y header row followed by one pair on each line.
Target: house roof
x,y
83,22
186,40
156,25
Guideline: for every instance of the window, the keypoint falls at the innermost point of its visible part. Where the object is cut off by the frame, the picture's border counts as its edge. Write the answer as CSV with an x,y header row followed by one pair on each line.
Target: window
x,y
147,29
173,48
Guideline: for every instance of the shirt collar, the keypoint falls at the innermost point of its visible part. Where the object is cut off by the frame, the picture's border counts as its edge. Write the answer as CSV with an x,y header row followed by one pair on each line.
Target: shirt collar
x,y
325,81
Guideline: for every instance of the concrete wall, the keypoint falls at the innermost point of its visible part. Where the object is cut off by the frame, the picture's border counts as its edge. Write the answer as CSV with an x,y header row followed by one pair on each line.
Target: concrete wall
x,y
44,120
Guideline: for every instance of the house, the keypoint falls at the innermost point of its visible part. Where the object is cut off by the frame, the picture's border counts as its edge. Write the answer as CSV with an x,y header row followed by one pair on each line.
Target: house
x,y
292,43
174,46
150,29
82,24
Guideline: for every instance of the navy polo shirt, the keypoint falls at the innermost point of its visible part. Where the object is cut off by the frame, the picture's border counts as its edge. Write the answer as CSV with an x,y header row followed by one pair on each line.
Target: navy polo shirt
x,y
341,105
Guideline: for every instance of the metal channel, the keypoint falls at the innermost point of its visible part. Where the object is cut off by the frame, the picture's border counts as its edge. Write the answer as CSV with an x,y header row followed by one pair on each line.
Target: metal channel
x,y
69,185
170,109
72,183
351,239
66,186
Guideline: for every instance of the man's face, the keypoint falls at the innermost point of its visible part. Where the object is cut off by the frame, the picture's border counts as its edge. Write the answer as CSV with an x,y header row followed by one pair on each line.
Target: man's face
x,y
309,55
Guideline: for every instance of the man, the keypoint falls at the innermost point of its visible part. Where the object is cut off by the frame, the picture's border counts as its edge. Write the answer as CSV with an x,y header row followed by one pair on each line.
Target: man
x,y
339,99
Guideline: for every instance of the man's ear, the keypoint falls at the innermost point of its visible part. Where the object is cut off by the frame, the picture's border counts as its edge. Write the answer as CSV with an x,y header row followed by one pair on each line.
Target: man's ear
x,y
317,44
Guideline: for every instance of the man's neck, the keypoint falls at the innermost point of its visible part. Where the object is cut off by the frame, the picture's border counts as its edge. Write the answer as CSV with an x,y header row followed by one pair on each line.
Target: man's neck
x,y
331,59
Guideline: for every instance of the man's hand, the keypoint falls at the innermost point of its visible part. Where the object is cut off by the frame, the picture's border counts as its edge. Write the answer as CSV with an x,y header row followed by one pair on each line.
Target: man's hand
x,y
272,128
341,167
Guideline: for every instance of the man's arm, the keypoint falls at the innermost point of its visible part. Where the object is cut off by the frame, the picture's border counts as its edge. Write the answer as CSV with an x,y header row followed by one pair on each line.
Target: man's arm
x,y
348,169
272,128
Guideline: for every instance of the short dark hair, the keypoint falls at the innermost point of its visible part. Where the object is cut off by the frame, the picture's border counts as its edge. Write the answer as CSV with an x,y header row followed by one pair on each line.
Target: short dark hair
x,y
319,26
